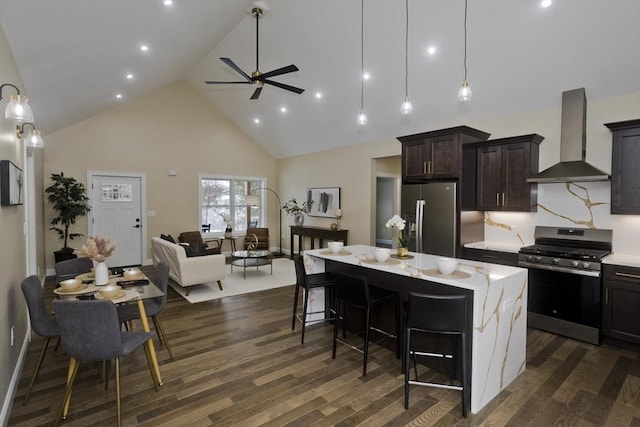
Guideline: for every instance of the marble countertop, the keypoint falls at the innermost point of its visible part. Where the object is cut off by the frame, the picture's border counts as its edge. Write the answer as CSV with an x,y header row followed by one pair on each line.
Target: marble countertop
x,y
471,275
494,246
622,259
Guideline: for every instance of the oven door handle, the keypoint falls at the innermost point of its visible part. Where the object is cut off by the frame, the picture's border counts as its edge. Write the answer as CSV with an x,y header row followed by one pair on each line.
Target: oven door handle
x,y
590,273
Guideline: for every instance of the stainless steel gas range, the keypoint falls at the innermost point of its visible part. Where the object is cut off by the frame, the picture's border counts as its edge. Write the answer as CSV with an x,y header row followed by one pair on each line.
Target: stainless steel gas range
x,y
564,280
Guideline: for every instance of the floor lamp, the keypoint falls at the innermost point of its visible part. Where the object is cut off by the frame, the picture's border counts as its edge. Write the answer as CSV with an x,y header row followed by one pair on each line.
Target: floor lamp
x,y
254,200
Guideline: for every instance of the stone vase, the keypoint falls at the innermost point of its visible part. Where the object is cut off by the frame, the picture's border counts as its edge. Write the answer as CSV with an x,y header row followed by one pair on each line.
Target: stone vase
x,y
298,219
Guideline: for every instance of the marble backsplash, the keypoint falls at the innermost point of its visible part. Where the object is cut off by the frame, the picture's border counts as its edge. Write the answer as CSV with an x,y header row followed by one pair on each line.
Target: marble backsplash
x,y
574,204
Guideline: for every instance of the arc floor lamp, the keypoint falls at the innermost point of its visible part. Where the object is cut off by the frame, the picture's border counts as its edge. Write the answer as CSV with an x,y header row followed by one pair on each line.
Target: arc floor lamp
x,y
254,200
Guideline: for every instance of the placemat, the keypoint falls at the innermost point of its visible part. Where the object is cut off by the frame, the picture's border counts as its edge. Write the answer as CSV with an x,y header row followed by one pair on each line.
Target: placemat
x,y
328,252
374,262
433,272
122,296
82,289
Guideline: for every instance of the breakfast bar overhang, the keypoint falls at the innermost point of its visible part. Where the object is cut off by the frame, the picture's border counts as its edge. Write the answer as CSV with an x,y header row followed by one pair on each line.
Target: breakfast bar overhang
x,y
499,305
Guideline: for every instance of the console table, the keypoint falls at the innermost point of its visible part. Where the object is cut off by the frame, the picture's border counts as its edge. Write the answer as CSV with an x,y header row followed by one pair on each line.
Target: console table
x,y
314,233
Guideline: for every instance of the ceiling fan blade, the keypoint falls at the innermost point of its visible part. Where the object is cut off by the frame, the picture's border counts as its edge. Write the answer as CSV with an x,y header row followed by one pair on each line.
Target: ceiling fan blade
x,y
226,83
233,65
284,86
284,70
256,93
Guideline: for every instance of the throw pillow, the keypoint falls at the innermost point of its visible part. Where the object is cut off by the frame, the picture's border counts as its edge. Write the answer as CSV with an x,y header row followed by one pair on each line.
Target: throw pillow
x,y
168,238
196,250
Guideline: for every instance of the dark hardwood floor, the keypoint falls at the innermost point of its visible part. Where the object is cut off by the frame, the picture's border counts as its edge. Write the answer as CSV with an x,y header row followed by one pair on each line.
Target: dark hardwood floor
x,y
238,363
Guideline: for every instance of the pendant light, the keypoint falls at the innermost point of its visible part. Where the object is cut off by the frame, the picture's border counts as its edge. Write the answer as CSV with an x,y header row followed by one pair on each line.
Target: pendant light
x,y
362,118
464,95
406,107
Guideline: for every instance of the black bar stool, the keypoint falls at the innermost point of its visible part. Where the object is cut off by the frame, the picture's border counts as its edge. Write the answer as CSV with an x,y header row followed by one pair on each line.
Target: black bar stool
x,y
307,282
437,314
355,291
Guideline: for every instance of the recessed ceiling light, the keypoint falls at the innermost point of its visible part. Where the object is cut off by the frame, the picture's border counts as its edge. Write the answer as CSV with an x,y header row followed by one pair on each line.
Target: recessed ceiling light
x,y
431,50
283,109
118,96
144,48
256,121
319,95
366,76
545,3
129,76
167,2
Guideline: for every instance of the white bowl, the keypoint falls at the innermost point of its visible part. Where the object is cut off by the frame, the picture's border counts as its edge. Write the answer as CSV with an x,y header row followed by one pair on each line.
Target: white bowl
x,y
132,274
446,265
335,247
109,291
70,284
381,254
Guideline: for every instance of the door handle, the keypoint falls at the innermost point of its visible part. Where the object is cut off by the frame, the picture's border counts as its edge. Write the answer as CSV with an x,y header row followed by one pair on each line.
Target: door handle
x,y
424,168
504,199
136,226
497,199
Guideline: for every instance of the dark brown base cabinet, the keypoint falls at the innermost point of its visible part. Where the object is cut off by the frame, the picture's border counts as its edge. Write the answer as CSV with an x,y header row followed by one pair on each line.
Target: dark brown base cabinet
x,y
621,311
503,168
487,255
625,173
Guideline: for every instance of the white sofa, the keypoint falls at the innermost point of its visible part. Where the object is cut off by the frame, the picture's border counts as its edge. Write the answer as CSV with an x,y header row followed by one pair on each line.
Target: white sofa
x,y
188,271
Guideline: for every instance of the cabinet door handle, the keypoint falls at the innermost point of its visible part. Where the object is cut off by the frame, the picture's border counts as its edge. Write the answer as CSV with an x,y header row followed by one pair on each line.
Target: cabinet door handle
x,y
504,199
424,168
497,199
429,169
631,276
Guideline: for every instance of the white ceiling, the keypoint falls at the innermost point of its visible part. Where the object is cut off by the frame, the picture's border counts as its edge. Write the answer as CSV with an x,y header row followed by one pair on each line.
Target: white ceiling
x,y
73,55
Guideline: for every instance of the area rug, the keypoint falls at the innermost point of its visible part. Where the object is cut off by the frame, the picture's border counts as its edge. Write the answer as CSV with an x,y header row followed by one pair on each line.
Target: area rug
x,y
284,274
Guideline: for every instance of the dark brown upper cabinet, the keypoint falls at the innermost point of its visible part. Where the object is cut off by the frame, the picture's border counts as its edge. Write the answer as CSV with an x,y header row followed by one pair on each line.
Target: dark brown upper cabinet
x,y
436,155
625,169
503,168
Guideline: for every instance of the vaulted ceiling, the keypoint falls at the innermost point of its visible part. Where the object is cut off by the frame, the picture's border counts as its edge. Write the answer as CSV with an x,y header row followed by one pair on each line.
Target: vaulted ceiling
x,y
74,55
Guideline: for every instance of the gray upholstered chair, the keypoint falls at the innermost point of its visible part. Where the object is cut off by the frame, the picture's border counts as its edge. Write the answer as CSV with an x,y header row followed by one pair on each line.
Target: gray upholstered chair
x,y
129,312
42,323
90,331
70,268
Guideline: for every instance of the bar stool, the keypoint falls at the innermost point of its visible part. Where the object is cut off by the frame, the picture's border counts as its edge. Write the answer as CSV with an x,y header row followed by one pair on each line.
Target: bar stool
x,y
443,315
308,282
355,291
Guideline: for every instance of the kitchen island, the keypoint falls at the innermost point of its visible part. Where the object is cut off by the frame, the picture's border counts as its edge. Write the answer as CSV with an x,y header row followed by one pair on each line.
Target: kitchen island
x,y
498,296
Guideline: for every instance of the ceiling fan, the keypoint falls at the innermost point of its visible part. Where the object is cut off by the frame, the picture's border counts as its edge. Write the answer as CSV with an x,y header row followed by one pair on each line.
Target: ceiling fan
x,y
258,78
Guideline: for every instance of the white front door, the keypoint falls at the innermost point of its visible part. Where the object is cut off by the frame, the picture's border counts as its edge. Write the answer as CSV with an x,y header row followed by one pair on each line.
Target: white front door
x,y
116,213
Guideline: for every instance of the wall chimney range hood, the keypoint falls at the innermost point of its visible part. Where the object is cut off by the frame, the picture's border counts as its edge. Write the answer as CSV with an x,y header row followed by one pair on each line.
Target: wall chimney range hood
x,y
573,141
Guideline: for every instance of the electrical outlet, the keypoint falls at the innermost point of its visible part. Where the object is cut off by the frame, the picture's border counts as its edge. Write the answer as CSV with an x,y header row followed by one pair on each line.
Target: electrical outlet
x,y
506,305
12,335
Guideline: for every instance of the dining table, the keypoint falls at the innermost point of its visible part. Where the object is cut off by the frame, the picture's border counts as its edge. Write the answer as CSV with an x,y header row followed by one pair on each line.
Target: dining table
x,y
132,291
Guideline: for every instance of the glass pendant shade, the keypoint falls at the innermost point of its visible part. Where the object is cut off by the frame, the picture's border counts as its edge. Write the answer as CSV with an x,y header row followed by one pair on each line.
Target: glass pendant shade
x,y
464,95
362,118
34,139
406,107
19,109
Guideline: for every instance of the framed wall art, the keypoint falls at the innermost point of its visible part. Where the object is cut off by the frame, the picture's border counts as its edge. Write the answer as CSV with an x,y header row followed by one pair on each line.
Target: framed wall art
x,y
324,201
11,180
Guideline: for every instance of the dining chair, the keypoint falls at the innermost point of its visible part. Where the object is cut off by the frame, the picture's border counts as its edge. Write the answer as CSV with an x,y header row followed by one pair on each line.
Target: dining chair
x,y
90,331
42,323
308,282
70,268
355,291
444,315
153,307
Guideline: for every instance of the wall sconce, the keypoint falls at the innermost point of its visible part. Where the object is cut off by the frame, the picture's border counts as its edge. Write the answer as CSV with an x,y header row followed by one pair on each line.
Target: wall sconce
x,y
33,138
18,108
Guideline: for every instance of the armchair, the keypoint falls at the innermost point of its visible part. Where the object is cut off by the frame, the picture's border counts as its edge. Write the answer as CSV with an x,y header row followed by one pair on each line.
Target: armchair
x,y
194,238
261,233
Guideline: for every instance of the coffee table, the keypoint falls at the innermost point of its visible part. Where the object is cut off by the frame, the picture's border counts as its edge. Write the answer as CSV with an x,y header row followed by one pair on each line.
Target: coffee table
x,y
255,259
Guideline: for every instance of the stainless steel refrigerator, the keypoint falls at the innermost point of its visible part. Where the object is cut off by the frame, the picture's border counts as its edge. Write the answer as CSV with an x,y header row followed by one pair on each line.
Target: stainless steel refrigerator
x,y
431,215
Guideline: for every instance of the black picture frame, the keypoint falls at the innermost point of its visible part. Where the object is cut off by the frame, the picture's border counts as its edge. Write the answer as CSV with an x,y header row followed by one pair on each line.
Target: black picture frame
x,y
324,201
11,184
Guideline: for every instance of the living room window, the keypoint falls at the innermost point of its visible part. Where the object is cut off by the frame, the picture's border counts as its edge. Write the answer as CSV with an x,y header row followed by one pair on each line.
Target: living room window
x,y
222,203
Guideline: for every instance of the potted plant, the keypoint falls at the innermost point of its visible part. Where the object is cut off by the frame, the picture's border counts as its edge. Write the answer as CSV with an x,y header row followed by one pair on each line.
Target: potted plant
x,y
292,208
68,198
